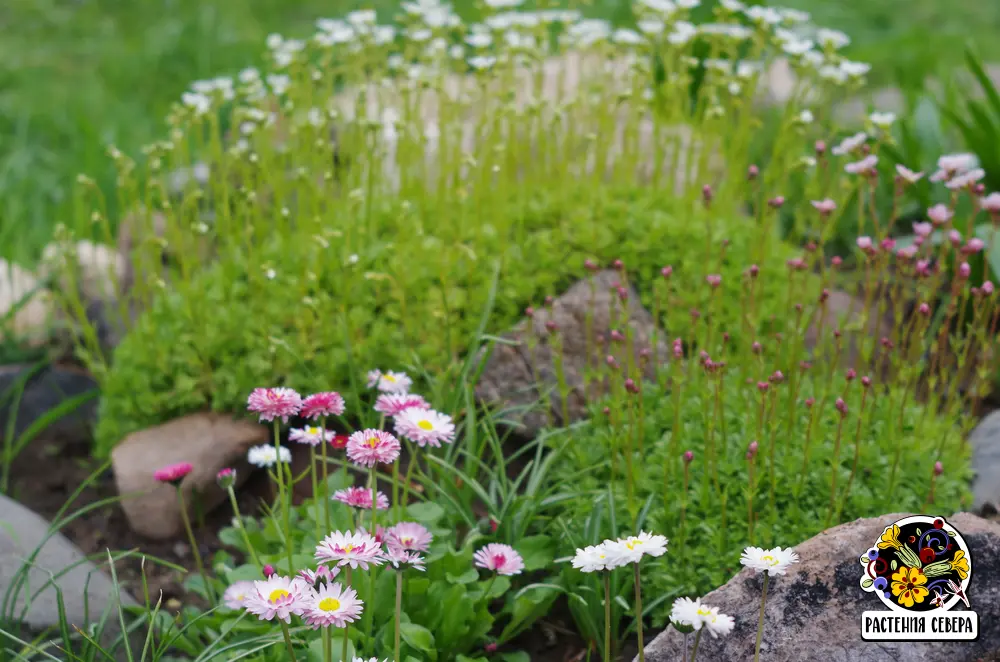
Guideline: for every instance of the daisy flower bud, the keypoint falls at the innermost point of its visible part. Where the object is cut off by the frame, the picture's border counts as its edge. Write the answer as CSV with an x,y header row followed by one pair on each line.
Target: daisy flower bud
x,y
763,387
755,347
268,570
772,561
752,172
987,288
752,450
836,261
265,456
851,374
973,246
841,406
866,381
753,270
226,478
549,300
173,473
551,326
618,265
810,402
924,309
631,386
964,270
825,207
616,336
776,202
499,558
529,312
590,265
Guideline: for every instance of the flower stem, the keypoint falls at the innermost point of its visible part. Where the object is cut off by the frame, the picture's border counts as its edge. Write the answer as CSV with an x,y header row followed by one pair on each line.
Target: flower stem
x,y
327,645
288,641
638,614
194,544
399,609
239,524
697,640
607,616
370,611
326,476
760,621
283,497
315,490
343,654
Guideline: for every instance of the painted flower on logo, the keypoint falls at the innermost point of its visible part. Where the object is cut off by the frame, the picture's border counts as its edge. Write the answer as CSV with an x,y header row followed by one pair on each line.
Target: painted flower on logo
x,y
889,538
908,585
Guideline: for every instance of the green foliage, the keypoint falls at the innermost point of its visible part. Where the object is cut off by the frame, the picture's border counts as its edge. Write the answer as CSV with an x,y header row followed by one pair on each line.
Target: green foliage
x,y
708,523
209,342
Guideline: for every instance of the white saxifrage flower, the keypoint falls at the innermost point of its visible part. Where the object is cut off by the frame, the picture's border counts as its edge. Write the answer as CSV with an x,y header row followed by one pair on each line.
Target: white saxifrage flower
x,y
773,561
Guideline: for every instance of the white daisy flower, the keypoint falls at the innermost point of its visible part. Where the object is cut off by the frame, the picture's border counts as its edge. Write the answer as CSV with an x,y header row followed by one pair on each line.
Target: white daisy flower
x,y
592,558
425,427
389,381
266,456
834,39
685,612
631,549
311,435
277,596
882,120
773,561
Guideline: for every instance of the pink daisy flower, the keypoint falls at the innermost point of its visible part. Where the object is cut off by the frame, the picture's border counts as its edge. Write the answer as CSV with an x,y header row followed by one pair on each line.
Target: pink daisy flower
x,y
389,382
311,435
501,559
425,427
277,596
392,404
272,403
358,550
339,441
332,605
380,534
173,473
371,447
361,497
236,594
409,536
397,557
322,573
321,405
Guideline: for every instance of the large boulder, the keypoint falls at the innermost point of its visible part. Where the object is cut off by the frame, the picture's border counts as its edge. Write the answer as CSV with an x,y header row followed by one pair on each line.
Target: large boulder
x,y
208,441
814,612
985,441
59,568
515,377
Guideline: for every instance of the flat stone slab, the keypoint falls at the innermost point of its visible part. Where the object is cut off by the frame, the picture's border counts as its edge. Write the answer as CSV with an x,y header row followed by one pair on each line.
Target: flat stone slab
x,y
86,589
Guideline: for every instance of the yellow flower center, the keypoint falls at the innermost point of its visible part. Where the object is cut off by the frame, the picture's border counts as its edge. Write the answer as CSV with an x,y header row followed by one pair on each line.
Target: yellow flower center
x,y
406,541
389,378
631,544
348,548
425,425
312,430
702,611
770,560
278,594
329,604
372,442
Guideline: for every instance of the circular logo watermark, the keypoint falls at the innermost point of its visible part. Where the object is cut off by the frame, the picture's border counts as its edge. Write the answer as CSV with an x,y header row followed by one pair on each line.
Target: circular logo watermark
x,y
918,564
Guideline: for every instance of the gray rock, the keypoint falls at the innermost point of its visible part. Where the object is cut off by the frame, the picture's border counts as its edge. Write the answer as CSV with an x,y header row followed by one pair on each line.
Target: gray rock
x,y
208,441
985,440
814,612
86,590
509,378
42,392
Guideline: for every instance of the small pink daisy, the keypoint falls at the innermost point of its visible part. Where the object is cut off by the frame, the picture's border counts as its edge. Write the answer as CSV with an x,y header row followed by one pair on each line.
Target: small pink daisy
x,y
500,558
332,605
322,573
311,435
425,427
358,550
277,596
397,557
409,536
173,473
321,405
339,441
361,497
392,404
371,447
236,594
226,477
389,382
272,403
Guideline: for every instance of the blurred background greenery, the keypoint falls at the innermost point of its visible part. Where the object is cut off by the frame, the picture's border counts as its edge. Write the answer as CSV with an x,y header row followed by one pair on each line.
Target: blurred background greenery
x,y
78,75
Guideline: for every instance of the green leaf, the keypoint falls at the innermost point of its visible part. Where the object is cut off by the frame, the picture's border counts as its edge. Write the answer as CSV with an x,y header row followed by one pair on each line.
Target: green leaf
x,y
315,651
867,583
893,565
230,537
500,586
417,636
515,656
466,577
243,573
417,585
537,552
426,512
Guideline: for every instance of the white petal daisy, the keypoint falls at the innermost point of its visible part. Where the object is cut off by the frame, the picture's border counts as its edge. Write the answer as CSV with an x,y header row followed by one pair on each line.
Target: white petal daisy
x,y
773,561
